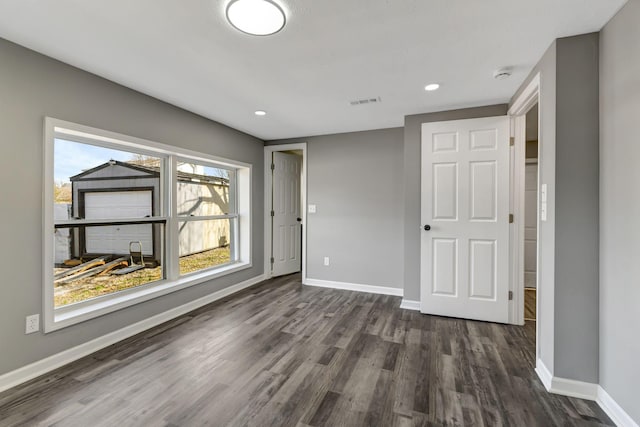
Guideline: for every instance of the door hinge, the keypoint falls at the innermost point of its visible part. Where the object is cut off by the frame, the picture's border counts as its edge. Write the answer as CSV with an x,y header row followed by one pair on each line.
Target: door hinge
x,y
512,141
273,260
510,218
273,213
273,166
510,294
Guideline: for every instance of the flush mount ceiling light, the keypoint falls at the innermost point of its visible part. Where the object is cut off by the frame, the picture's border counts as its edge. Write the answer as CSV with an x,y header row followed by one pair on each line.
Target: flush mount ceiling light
x,y
256,17
431,87
260,113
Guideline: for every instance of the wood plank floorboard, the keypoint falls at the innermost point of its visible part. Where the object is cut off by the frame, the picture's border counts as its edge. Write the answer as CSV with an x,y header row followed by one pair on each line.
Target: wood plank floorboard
x,y
530,304
283,354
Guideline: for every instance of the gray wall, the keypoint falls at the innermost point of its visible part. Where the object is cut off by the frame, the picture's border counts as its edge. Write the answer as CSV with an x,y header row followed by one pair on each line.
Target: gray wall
x,y
568,291
355,179
577,216
34,86
411,177
620,208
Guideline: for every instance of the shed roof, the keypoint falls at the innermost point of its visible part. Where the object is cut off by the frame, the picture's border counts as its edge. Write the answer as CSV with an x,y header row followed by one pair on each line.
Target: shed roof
x,y
143,171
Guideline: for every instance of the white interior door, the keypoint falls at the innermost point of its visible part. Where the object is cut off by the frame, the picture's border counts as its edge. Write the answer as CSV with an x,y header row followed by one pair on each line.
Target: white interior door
x,y
286,235
465,202
530,224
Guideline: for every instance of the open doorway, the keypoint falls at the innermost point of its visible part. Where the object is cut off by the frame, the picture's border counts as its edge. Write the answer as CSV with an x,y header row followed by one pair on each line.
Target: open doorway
x,y
531,214
285,216
529,209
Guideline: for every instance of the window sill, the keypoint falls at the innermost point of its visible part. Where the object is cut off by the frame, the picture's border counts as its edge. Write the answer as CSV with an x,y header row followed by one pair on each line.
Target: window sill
x,y
77,313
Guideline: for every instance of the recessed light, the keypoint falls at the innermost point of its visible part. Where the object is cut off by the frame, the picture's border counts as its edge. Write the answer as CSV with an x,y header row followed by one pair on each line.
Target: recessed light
x,y
260,113
256,17
431,87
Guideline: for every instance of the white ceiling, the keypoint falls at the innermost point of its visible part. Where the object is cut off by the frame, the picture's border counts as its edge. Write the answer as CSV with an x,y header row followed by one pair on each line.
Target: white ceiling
x,y
331,51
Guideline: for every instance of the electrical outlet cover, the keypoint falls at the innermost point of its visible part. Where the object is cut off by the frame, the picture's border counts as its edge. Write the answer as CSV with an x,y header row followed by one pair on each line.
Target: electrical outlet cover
x,y
32,324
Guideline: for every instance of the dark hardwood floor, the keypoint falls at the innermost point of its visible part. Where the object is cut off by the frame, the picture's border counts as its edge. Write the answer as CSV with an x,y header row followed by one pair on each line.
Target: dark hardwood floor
x,y
280,354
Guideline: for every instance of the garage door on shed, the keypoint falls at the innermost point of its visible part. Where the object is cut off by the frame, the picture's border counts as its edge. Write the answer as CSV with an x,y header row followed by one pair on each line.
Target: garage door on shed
x,y
116,205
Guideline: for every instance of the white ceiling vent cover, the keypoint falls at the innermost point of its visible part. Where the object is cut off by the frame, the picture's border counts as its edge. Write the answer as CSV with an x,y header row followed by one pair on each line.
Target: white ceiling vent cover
x,y
366,101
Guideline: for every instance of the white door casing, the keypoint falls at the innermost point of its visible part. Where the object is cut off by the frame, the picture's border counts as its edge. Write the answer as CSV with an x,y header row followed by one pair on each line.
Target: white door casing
x,y
286,241
465,200
115,239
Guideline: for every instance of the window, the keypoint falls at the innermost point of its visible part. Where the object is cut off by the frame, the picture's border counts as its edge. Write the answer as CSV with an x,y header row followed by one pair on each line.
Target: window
x,y
132,220
207,215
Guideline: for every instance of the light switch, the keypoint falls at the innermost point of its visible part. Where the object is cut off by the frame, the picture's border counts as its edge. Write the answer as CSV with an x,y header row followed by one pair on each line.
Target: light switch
x,y
543,193
312,208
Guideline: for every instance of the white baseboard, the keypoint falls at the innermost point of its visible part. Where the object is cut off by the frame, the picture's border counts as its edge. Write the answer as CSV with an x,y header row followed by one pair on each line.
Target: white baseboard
x,y
408,304
573,388
544,374
355,287
613,410
564,386
41,367
584,390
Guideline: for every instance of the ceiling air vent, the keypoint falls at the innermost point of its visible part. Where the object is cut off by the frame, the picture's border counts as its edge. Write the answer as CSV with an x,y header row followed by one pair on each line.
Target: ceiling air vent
x,y
366,101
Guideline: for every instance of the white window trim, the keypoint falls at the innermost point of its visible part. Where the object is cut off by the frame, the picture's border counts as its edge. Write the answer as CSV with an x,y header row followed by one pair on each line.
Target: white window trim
x,y
55,319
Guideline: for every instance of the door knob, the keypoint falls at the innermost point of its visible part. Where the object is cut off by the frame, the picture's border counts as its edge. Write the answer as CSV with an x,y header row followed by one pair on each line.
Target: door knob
x,y
427,227
299,219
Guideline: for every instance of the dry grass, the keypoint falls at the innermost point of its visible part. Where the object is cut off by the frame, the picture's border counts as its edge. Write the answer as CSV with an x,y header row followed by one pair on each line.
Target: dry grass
x,y
91,287
195,262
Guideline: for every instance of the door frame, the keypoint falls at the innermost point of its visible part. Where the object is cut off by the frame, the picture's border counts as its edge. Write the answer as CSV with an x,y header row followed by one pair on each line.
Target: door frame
x,y
525,101
268,188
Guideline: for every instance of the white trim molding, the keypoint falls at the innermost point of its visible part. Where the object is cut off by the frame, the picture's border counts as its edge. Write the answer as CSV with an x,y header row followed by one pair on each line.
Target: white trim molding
x,y
544,374
573,388
408,304
48,364
527,98
384,290
618,415
564,386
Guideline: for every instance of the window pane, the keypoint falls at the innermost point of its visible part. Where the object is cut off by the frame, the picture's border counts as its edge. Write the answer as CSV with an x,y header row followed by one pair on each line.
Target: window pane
x,y
101,183
204,190
205,244
99,260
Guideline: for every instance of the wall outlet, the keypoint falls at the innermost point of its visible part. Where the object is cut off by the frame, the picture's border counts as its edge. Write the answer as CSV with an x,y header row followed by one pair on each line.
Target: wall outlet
x,y
326,260
312,208
32,324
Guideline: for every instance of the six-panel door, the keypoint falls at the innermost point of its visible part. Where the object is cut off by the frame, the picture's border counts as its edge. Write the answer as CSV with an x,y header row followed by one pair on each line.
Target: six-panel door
x,y
465,201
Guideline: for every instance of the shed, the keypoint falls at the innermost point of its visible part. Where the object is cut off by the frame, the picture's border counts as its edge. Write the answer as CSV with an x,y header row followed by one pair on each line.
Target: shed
x,y
117,189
